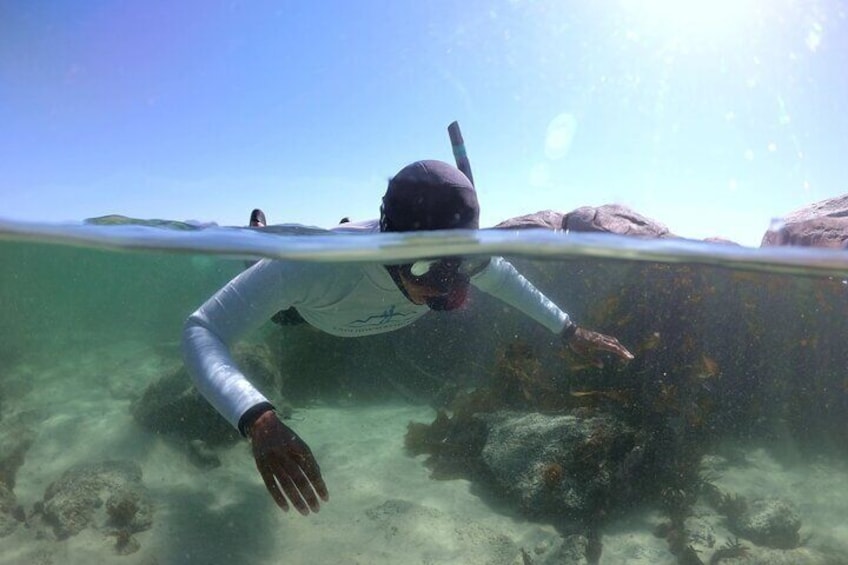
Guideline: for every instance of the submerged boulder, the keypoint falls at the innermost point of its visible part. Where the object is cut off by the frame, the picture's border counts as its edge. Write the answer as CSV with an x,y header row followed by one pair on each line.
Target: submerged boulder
x,y
555,464
107,496
173,407
771,522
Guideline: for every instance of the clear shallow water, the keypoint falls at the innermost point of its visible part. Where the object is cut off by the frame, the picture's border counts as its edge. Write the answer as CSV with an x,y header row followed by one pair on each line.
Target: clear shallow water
x,y
739,377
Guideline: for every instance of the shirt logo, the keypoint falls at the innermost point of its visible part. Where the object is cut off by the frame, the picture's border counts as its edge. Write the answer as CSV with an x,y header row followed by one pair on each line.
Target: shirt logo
x,y
388,315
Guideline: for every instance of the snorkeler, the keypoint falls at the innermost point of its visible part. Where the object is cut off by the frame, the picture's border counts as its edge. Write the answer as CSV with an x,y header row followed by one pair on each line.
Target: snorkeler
x,y
356,299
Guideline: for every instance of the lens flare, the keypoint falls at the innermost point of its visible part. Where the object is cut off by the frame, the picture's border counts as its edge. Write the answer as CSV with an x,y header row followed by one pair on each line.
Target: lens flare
x,y
694,18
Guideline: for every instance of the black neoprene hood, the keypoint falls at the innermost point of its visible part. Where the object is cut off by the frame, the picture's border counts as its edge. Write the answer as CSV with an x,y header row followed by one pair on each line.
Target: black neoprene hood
x,y
429,195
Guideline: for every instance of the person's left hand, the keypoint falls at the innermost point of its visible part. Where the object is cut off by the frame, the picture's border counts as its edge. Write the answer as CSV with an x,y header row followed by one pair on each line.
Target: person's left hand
x,y
590,345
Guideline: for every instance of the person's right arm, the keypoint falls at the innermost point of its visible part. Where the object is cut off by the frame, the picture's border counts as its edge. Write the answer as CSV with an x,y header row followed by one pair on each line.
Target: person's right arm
x,y
241,306
284,461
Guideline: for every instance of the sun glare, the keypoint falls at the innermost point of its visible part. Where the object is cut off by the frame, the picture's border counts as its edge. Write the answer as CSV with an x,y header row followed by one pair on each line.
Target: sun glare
x,y
692,19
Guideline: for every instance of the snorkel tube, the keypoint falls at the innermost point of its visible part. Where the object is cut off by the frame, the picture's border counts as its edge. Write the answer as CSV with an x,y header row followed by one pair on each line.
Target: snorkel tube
x,y
462,163
459,153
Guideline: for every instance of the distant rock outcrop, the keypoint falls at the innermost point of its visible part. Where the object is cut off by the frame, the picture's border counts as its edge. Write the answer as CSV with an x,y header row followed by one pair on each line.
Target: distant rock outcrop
x,y
823,224
609,218
613,218
546,219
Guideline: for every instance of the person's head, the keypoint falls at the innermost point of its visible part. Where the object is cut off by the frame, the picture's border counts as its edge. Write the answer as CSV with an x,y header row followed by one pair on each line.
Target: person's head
x,y
429,195
425,196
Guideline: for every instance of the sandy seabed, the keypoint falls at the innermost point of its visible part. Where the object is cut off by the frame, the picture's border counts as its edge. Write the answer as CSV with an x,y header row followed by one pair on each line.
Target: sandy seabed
x,y
384,508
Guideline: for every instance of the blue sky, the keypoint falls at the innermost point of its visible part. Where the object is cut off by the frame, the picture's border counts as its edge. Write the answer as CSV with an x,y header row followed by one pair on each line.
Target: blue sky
x,y
711,118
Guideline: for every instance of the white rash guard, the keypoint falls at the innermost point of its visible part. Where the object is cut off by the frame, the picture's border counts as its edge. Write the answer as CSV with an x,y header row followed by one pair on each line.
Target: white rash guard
x,y
343,299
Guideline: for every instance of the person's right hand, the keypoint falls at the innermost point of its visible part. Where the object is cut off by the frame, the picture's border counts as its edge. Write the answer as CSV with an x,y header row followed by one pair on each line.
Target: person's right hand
x,y
286,464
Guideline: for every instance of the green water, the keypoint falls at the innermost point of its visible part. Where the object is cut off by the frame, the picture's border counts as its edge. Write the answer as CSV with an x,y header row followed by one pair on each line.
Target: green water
x,y
747,368
53,294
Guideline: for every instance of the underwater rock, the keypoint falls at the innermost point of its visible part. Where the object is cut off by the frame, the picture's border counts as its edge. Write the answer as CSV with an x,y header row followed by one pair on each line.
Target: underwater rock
x,y
172,406
559,465
545,219
106,495
822,224
613,218
128,510
125,543
771,522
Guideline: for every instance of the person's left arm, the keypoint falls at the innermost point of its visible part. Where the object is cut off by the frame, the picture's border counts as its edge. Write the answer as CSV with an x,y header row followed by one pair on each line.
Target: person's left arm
x,y
503,281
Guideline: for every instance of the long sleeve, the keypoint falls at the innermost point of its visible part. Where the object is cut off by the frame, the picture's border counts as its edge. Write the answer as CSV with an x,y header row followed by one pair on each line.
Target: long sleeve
x,y
503,281
241,306
343,299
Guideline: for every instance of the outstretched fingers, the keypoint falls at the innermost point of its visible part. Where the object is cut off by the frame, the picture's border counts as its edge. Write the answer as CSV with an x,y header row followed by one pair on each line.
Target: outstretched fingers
x,y
310,468
274,489
299,489
298,484
285,491
612,345
294,492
